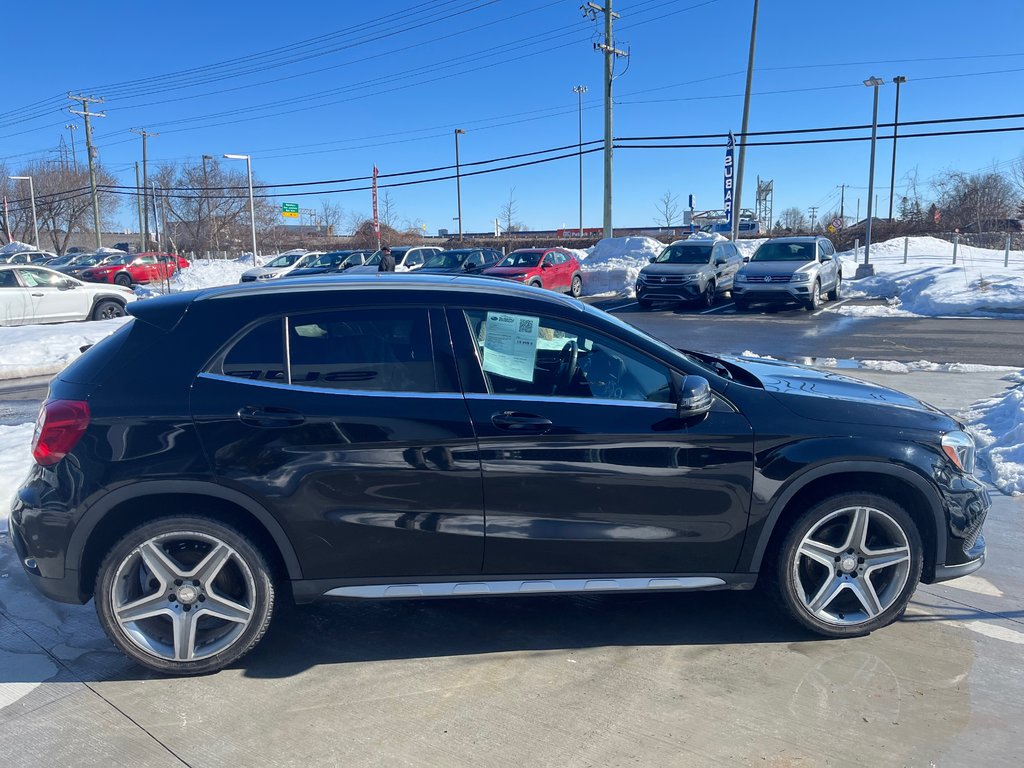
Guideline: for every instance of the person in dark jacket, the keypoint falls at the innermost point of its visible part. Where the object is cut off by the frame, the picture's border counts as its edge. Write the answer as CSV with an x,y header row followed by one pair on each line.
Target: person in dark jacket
x,y
387,261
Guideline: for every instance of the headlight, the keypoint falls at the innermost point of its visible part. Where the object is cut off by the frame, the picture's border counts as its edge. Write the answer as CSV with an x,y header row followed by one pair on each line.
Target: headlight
x,y
740,278
267,276
959,448
800,277
690,277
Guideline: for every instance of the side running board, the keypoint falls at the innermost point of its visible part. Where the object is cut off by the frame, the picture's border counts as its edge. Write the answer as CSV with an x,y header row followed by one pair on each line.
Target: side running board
x,y
533,586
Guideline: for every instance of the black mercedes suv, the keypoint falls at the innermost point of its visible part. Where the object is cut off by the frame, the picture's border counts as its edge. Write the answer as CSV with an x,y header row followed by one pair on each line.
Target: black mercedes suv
x,y
389,436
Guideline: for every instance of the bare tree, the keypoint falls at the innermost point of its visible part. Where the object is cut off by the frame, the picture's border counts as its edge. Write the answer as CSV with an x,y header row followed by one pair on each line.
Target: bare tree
x,y
331,216
794,219
976,201
387,211
667,208
508,212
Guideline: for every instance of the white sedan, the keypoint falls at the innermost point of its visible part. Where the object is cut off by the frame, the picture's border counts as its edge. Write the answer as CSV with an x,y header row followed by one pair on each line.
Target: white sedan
x,y
30,294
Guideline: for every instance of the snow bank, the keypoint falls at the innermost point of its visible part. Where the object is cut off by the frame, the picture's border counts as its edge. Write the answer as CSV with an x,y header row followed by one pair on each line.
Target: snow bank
x,y
930,284
15,460
747,247
208,273
614,263
41,350
998,426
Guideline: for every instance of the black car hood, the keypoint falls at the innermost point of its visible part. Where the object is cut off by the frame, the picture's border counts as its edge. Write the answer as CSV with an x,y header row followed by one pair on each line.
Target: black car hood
x,y
674,269
828,396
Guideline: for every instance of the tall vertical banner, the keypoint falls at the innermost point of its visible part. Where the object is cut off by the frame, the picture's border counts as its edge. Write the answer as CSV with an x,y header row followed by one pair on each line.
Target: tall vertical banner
x,y
729,147
376,220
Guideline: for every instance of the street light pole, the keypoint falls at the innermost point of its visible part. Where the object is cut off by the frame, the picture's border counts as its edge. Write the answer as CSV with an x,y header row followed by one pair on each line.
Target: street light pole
x,y
252,204
32,195
899,80
579,90
458,181
866,269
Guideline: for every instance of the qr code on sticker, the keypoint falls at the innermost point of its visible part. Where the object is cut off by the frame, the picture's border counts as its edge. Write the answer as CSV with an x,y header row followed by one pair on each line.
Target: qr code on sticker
x,y
525,325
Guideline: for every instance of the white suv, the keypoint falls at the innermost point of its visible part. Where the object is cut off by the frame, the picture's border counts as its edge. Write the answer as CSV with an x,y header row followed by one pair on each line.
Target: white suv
x,y
786,269
30,294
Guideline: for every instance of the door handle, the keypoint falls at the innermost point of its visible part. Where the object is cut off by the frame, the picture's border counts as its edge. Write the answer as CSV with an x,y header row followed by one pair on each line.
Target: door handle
x,y
269,416
514,421
38,295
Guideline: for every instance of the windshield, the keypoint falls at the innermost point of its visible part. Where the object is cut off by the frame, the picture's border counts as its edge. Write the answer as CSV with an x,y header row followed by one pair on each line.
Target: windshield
x,y
784,252
522,259
325,260
446,260
685,254
285,260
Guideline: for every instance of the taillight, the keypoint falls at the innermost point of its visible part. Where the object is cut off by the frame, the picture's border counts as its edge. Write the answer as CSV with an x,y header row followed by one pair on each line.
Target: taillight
x,y
60,425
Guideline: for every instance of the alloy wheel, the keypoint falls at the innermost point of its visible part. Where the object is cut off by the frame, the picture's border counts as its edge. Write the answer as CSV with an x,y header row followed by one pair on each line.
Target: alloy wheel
x,y
852,566
183,596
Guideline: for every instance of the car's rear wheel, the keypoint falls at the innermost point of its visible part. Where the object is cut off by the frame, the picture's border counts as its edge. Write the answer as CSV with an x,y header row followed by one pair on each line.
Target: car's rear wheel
x,y
108,310
125,280
184,595
576,289
536,284
837,292
849,565
814,301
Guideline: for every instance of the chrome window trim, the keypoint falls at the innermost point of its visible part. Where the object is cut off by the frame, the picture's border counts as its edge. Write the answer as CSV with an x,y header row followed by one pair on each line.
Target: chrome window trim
x,y
569,400
527,586
329,390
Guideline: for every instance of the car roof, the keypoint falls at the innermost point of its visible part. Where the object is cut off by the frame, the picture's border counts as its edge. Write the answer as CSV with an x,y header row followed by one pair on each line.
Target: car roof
x,y
795,239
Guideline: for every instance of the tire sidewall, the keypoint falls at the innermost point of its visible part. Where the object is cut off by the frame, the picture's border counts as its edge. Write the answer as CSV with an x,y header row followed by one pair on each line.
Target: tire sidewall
x,y
782,563
97,313
576,287
263,603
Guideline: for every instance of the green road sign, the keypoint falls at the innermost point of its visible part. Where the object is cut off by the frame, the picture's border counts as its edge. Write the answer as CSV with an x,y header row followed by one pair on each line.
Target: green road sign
x,y
290,210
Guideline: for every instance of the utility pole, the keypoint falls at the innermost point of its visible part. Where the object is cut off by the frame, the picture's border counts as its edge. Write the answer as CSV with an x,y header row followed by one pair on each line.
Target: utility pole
x,y
138,204
156,221
458,182
610,54
90,150
206,198
145,186
842,202
74,155
899,80
738,198
579,90
814,216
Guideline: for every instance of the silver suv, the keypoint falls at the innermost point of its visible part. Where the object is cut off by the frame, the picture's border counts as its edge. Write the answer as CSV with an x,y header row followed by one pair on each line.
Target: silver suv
x,y
788,269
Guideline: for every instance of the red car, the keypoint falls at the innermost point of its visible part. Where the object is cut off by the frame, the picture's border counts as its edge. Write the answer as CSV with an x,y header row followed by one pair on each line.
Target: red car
x,y
131,269
552,268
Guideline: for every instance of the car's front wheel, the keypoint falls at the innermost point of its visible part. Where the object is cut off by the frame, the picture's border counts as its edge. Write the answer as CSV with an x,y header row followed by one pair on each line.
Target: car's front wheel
x,y
837,291
108,310
184,595
849,565
814,302
576,289
707,299
125,280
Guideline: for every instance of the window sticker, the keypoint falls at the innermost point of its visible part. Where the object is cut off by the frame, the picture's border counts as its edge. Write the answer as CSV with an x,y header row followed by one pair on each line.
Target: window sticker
x,y
510,345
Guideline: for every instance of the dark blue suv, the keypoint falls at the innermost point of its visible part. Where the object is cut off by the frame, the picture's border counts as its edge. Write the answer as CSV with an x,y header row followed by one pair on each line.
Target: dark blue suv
x,y
388,436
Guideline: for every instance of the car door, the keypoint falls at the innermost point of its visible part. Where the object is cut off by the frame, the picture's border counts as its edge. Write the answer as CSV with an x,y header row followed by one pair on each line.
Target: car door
x,y
15,308
54,298
414,259
831,265
594,474
356,437
727,263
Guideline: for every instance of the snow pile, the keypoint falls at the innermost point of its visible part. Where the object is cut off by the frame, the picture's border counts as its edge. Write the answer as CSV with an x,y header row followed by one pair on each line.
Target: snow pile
x,y
16,246
894,366
15,460
747,247
614,263
208,273
41,350
714,237
930,284
998,426
579,253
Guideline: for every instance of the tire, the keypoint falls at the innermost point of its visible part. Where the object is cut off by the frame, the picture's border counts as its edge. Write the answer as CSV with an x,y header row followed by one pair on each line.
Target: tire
x,y
837,292
814,302
536,284
644,303
108,310
707,299
822,584
576,289
168,587
123,279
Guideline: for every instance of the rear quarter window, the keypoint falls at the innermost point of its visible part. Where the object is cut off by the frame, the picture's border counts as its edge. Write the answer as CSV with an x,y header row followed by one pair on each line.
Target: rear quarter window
x,y
99,357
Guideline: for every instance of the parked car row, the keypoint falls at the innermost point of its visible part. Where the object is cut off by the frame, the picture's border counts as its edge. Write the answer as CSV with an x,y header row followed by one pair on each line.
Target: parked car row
x,y
556,269
105,265
782,270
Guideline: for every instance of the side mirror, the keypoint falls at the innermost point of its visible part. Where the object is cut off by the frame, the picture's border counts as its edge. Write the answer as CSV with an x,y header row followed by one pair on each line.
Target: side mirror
x,y
545,265
693,396
746,259
652,258
721,261
468,266
67,285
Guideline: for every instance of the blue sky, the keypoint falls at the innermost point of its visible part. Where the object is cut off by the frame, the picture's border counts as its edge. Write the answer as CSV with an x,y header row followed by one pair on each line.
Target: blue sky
x,y
400,76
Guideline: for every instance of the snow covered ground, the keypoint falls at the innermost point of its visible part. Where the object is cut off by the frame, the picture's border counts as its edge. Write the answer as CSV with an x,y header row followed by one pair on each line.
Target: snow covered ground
x,y
15,460
930,284
39,350
998,426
